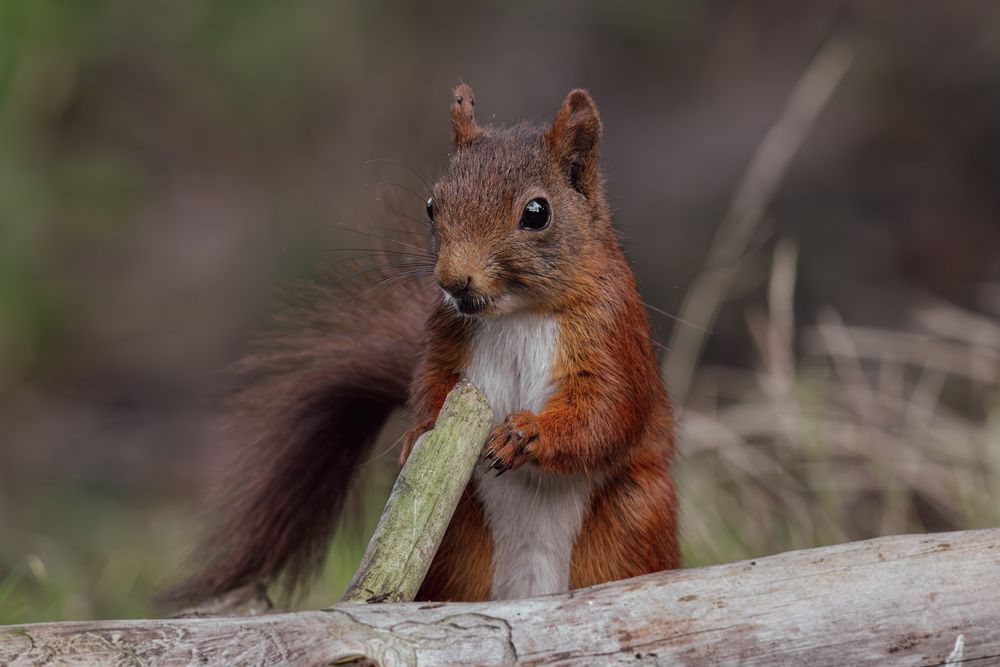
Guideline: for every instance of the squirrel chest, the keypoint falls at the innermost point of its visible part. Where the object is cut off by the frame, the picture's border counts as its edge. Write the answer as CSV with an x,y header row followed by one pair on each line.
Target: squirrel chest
x,y
533,516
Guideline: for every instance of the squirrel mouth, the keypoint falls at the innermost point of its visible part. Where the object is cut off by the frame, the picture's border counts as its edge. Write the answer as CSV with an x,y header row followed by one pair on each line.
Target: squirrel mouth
x,y
471,305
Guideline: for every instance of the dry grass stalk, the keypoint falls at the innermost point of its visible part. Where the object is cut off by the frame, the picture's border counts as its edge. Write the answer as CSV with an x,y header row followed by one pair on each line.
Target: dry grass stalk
x,y
868,432
758,187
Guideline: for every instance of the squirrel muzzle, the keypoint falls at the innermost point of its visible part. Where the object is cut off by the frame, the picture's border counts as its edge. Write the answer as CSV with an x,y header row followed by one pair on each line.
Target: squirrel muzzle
x,y
462,272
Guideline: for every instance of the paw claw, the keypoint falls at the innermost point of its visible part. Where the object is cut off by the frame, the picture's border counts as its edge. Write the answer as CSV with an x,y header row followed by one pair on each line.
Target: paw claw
x,y
508,445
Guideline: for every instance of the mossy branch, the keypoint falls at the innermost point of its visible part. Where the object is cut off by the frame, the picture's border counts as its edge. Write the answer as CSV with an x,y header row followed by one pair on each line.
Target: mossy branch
x,y
423,500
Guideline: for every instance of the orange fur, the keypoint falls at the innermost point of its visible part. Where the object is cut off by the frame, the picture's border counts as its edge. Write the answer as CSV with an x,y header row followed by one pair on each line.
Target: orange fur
x,y
322,391
462,569
608,416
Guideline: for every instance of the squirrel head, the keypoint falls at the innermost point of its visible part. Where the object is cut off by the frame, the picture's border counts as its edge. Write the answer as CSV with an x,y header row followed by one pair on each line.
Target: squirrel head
x,y
519,211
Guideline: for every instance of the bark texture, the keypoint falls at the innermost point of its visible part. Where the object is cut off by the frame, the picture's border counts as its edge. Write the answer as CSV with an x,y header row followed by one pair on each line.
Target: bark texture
x,y
905,600
423,500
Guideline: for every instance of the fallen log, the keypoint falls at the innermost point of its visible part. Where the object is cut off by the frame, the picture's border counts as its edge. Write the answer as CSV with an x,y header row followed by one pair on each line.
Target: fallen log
x,y
904,600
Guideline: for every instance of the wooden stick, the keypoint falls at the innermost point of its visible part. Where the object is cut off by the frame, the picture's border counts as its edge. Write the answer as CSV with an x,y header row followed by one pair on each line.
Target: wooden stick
x,y
422,501
905,600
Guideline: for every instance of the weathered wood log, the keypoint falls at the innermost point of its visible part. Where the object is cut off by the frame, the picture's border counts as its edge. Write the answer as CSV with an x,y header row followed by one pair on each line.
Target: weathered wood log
x,y
905,600
423,500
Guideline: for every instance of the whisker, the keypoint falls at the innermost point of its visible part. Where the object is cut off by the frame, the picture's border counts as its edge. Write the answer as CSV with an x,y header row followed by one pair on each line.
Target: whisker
x,y
425,223
405,166
372,252
658,344
386,238
382,453
677,319
383,288
381,267
421,233
394,209
408,281
680,320
400,275
405,189
529,272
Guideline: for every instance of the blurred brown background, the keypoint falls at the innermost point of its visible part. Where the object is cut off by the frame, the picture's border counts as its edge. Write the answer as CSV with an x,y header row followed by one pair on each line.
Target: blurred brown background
x,y
166,167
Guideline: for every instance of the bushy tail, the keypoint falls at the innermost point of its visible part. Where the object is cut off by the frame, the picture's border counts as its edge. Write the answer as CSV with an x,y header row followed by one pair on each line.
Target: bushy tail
x,y
317,392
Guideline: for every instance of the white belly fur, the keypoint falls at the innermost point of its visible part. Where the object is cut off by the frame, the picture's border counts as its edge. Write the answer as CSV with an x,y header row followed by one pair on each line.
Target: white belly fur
x,y
533,516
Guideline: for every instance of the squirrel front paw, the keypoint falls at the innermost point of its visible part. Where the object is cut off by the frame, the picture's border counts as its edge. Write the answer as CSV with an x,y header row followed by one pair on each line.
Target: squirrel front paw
x,y
410,439
510,444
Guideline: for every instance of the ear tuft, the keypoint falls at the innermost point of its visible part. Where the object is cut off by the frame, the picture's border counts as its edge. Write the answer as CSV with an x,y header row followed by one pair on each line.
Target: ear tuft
x,y
574,140
463,116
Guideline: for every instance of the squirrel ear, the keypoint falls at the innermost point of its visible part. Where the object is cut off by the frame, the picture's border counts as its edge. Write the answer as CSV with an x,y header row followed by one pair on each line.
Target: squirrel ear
x,y
463,116
574,140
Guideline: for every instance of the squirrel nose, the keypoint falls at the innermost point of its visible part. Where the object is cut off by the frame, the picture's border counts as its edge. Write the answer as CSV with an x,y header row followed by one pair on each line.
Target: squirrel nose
x,y
457,287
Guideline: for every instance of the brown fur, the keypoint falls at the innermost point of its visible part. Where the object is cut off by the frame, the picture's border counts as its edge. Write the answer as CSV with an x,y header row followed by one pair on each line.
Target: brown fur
x,y
330,384
316,392
609,414
463,566
463,116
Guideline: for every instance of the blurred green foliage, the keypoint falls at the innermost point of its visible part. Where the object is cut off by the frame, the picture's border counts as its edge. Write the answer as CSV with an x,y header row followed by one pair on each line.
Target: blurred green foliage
x,y
98,549
77,567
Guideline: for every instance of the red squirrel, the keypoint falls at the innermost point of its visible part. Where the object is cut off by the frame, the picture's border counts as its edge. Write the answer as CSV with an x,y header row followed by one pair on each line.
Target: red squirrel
x,y
535,303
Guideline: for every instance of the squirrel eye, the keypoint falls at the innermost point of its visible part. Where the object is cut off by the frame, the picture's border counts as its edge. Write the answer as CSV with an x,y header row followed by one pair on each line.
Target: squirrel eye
x,y
430,209
536,215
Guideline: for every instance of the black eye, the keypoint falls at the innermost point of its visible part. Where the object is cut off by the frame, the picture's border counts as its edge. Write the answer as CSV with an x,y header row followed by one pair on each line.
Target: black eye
x,y
430,209
536,215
